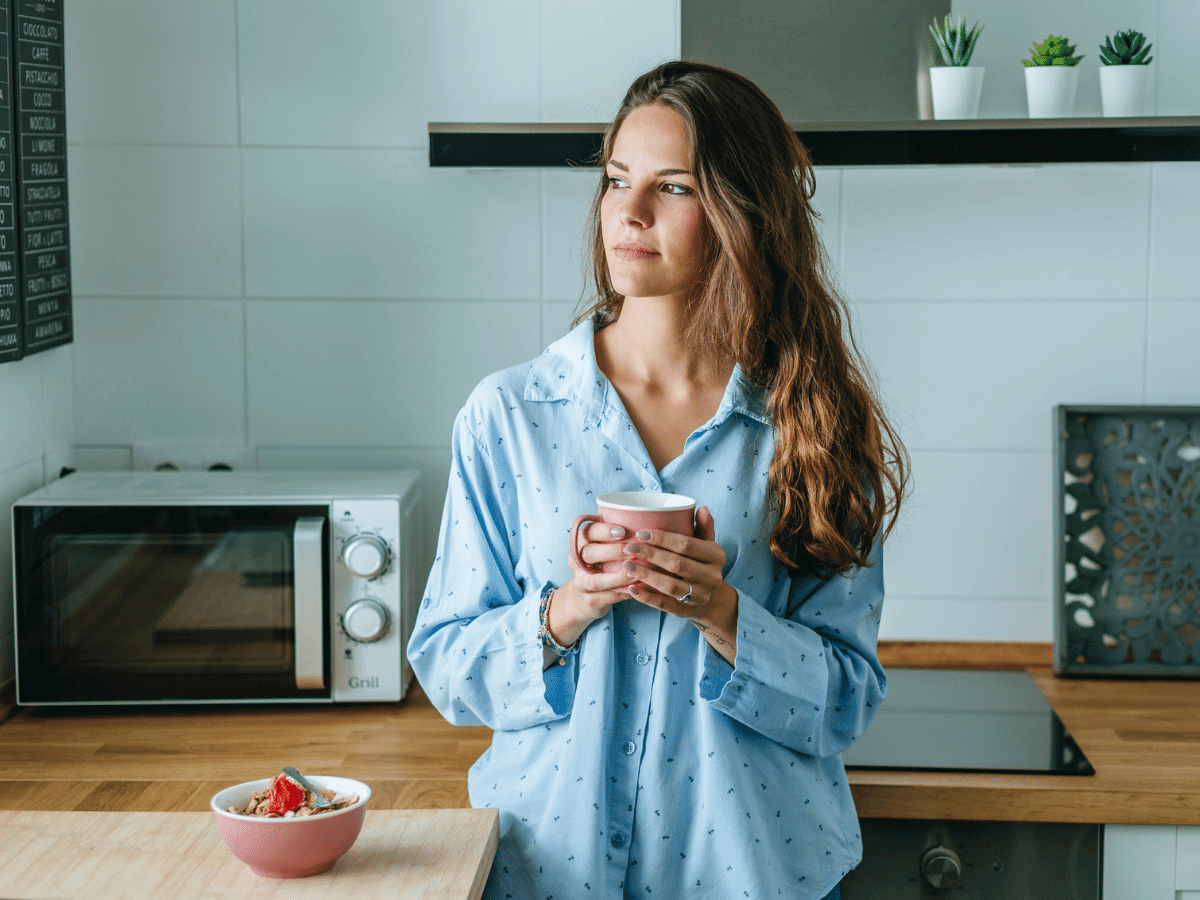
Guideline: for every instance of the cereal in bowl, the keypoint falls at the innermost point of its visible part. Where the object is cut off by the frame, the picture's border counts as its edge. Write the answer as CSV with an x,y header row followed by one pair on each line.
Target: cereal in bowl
x,y
286,799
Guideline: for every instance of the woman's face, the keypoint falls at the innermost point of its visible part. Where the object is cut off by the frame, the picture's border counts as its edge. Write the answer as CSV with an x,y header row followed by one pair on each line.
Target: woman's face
x,y
651,218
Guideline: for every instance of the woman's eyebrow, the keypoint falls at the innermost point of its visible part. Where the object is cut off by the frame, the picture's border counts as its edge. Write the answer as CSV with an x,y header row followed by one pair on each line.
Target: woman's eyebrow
x,y
624,168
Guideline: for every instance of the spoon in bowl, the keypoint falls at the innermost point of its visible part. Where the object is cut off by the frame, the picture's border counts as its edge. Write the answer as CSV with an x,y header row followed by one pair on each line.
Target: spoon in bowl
x,y
318,800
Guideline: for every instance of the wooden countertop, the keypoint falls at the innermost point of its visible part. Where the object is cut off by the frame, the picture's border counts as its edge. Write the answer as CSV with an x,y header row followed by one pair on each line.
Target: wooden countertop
x,y
1142,737
162,759
431,853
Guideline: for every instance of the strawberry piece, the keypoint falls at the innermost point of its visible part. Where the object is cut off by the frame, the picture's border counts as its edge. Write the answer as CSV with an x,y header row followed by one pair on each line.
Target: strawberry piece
x,y
284,795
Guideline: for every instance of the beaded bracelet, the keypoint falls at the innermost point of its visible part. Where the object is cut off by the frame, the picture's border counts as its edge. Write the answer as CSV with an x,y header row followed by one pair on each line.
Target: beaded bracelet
x,y
547,638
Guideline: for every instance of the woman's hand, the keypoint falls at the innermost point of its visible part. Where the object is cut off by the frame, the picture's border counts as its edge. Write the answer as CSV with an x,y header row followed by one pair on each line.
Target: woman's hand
x,y
681,575
591,592
678,574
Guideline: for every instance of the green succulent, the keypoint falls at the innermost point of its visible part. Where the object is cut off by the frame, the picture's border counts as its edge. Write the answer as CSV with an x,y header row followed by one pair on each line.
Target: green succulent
x,y
955,41
1054,51
1126,48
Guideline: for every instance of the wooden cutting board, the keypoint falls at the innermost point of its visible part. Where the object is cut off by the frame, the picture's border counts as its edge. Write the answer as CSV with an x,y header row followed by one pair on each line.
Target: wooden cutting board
x,y
433,854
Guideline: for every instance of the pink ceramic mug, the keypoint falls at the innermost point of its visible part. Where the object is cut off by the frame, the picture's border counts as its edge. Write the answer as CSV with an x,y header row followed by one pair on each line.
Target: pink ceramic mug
x,y
636,511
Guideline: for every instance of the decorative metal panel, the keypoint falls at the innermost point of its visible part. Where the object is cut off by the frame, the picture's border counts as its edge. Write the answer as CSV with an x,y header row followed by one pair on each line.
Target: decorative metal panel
x,y
1128,540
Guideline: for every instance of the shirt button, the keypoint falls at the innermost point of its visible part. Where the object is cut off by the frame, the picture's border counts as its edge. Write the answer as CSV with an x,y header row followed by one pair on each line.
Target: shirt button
x,y
630,748
642,659
617,840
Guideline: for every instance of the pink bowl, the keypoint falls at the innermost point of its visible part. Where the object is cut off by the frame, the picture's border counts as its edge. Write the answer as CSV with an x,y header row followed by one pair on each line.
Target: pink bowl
x,y
296,847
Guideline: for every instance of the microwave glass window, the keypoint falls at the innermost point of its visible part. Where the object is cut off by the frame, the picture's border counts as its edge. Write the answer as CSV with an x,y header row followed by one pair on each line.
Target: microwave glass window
x,y
160,603
217,601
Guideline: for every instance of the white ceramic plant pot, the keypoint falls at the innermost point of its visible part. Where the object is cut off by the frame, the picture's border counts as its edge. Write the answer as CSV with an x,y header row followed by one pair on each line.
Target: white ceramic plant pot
x,y
1050,91
956,91
1127,90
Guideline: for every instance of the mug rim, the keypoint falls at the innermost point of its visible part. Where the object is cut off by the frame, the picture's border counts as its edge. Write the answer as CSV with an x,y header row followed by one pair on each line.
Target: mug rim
x,y
635,501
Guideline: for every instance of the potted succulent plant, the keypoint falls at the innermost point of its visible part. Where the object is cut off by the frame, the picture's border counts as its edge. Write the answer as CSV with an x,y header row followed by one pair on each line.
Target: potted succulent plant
x,y
956,84
1126,79
1051,78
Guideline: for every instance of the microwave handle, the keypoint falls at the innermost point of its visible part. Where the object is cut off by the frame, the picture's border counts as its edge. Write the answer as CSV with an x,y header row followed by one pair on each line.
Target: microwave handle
x,y
308,591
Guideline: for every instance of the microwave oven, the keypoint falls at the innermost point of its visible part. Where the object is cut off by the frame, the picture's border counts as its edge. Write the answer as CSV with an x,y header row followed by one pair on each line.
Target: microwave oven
x,y
215,587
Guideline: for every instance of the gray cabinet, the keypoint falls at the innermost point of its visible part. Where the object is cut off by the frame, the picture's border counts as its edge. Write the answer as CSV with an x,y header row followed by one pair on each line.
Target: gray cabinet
x,y
1151,862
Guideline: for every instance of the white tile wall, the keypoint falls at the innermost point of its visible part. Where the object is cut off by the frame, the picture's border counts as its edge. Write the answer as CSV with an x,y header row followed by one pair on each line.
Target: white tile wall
x,y
362,374
308,74
376,72
58,417
484,61
557,319
382,224
22,437
929,618
566,201
155,221
984,375
1056,232
15,483
593,49
158,73
827,202
1172,358
264,261
159,370
35,442
978,525
1175,231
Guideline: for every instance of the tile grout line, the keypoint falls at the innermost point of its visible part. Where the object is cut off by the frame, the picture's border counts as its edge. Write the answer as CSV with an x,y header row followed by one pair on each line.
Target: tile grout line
x,y
1149,284
237,82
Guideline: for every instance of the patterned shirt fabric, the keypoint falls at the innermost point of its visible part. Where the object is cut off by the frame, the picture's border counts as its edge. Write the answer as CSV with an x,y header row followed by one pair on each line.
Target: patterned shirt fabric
x,y
646,766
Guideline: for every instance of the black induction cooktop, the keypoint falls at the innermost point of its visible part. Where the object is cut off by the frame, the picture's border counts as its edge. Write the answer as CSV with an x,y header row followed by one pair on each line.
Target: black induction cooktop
x,y
968,721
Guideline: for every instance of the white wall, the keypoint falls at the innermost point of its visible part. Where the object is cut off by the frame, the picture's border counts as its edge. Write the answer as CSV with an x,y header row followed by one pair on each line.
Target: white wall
x,y
35,443
267,271
988,294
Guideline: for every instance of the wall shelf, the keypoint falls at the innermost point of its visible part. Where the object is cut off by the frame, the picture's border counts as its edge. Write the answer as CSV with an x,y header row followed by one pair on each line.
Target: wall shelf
x,y
978,142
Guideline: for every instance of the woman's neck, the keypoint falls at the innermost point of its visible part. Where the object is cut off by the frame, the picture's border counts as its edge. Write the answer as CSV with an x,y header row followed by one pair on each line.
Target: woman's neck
x,y
647,345
668,390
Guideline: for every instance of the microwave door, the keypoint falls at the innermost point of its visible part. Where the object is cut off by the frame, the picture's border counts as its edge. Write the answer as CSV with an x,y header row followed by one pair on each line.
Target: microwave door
x,y
173,603
308,592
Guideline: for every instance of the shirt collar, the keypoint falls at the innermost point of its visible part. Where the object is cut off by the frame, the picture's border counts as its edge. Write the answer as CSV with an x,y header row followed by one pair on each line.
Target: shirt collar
x,y
567,370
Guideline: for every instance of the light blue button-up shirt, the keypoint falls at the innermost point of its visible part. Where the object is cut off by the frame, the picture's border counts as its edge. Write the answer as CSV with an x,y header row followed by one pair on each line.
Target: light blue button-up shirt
x,y
647,766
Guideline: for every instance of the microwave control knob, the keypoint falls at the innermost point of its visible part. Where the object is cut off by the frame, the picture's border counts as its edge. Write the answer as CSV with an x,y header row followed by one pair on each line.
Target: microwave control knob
x,y
365,555
365,621
940,868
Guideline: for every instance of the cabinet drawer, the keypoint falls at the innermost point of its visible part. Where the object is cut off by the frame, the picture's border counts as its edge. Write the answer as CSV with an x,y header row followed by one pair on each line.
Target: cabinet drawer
x,y
1187,859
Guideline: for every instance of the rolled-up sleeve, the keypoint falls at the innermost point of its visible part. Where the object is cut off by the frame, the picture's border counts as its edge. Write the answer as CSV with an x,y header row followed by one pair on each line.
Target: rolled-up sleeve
x,y
810,680
475,646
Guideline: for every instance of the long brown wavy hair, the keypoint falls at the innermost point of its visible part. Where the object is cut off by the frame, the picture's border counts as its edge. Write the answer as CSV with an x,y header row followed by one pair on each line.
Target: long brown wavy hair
x,y
766,302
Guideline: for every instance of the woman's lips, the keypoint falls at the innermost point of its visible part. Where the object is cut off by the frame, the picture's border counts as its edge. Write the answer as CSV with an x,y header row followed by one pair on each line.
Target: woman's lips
x,y
631,250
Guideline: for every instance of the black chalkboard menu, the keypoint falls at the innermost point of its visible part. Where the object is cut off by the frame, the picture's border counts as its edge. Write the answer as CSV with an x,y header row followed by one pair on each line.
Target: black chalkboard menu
x,y
12,343
35,262
41,148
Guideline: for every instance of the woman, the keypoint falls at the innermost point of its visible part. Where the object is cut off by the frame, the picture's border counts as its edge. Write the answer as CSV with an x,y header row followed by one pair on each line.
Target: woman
x,y
674,729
